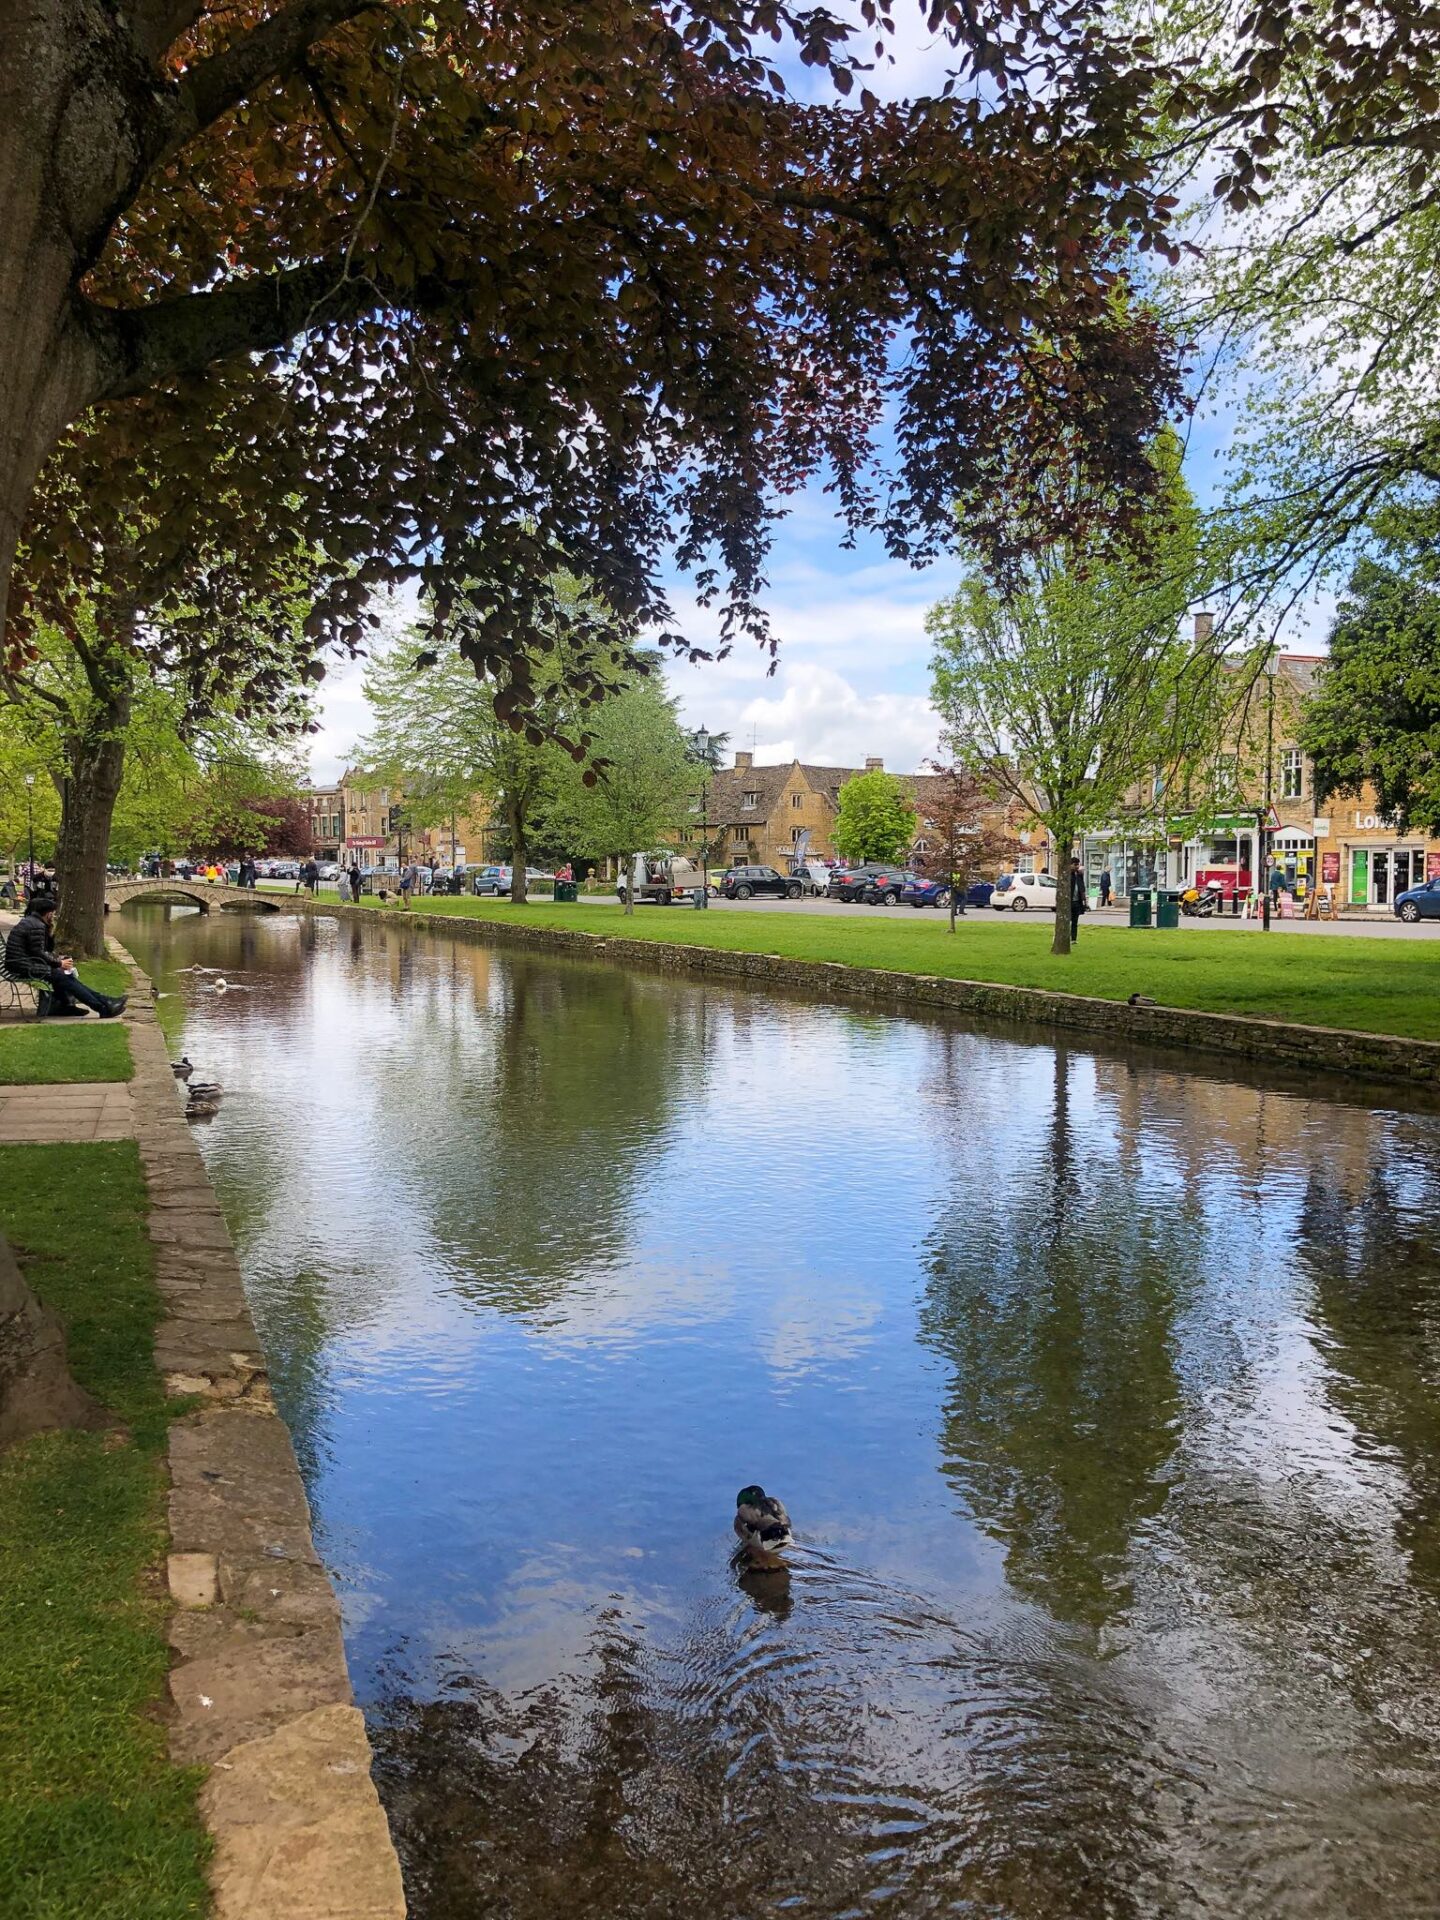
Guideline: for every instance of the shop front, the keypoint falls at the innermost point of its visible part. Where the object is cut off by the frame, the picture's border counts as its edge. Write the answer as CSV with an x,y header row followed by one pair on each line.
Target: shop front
x,y
1376,874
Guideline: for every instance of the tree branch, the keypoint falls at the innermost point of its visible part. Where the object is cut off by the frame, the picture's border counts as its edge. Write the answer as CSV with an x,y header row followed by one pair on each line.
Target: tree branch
x,y
138,346
207,91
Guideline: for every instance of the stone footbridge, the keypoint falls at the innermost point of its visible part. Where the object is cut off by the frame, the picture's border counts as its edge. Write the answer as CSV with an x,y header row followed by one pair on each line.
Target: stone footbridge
x,y
191,893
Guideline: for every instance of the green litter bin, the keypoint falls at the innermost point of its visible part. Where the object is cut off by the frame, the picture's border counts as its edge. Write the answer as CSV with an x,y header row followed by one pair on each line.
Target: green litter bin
x,y
1140,906
1167,908
567,892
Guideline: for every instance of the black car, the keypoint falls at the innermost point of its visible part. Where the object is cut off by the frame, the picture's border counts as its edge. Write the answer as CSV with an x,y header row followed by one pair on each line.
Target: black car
x,y
741,882
884,885
847,883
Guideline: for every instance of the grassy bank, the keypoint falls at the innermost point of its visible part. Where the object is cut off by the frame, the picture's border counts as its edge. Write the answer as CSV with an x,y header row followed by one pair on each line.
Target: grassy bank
x,y
93,1818
47,1052
1377,986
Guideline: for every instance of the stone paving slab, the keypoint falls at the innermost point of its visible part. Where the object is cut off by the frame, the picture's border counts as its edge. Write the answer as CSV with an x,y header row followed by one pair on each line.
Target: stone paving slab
x,y
258,1686
79,1110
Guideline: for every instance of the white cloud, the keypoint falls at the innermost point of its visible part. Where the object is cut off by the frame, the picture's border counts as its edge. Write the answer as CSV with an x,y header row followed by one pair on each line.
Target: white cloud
x,y
818,715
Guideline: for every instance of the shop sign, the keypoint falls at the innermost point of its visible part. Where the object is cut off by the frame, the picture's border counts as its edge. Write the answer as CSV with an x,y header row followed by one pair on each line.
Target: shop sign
x,y
365,840
1329,869
1375,822
1432,866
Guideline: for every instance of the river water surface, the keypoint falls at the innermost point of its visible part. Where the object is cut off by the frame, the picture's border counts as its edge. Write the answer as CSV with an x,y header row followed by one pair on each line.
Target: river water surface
x,y
1117,1566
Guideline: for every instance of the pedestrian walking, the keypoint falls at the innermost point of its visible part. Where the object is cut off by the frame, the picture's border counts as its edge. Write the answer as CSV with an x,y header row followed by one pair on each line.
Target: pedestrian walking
x,y
1079,900
1105,885
408,881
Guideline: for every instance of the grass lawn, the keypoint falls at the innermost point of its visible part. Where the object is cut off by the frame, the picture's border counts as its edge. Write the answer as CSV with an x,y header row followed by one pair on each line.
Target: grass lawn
x,y
94,1820
45,1052
1380,986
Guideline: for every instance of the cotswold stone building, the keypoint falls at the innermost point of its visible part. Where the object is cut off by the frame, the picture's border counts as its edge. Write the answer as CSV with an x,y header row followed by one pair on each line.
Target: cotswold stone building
x,y
761,815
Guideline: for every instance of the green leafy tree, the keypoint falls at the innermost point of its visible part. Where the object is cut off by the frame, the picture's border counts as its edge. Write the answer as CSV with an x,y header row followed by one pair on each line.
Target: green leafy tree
x,y
642,782
1072,685
128,738
1375,716
438,731
1303,143
876,818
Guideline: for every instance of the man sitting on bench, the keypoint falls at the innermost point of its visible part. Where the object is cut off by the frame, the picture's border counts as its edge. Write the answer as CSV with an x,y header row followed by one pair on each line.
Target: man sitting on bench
x,y
30,955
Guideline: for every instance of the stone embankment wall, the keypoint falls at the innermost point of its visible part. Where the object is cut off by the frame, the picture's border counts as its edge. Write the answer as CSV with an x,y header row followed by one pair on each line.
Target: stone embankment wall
x,y
1375,1057
259,1689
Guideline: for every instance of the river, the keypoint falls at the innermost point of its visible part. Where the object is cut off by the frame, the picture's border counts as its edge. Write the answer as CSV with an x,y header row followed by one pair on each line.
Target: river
x,y
1117,1559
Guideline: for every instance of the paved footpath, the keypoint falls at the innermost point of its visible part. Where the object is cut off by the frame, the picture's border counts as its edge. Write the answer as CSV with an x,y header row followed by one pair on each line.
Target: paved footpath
x,y
259,1691
77,1110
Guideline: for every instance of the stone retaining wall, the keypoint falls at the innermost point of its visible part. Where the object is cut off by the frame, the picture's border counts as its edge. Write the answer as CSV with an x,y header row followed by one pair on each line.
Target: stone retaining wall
x,y
1376,1057
258,1684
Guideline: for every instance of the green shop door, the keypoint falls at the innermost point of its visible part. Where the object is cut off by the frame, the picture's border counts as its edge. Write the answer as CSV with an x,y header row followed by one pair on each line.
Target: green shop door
x,y
1359,876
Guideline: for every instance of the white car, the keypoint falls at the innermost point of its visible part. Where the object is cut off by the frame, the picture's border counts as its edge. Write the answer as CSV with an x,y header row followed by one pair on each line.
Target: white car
x,y
1022,891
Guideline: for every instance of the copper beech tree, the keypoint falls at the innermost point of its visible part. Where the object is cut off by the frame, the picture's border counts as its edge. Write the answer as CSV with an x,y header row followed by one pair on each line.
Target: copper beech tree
x,y
533,279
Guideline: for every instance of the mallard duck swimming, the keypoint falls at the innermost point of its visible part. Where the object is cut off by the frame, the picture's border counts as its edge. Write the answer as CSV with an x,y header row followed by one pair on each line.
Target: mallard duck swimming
x,y
182,1068
763,1526
204,1099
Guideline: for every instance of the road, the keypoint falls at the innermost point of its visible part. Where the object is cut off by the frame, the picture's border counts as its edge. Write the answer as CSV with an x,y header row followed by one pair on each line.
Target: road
x,y
1383,926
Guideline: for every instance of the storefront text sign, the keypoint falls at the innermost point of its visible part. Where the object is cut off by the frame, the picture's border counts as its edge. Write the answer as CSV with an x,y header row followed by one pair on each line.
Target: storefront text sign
x,y
1375,823
1329,869
1432,866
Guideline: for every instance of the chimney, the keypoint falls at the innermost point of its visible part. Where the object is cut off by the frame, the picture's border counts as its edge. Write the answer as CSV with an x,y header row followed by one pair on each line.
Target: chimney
x,y
743,762
1204,627
875,764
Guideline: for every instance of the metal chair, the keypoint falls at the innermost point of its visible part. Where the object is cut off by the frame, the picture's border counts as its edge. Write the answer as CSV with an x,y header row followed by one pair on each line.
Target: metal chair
x,y
15,987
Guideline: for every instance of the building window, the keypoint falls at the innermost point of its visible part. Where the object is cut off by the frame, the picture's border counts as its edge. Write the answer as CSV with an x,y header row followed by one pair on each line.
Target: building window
x,y
752,799
922,846
796,834
740,836
1025,863
1225,773
797,799
1290,774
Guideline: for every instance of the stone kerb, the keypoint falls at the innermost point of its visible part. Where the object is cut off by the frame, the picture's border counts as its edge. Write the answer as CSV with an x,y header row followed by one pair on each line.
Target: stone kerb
x,y
1376,1057
258,1686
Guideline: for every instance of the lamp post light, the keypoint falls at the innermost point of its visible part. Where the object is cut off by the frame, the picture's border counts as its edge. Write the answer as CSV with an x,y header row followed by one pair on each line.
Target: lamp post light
x,y
1264,834
30,817
700,746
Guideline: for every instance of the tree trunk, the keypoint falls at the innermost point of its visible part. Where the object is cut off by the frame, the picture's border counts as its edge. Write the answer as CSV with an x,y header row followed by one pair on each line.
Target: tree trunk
x,y
36,1391
65,141
1063,840
519,855
96,763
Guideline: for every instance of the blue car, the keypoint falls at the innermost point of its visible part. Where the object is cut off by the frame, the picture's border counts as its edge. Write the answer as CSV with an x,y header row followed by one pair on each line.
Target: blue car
x,y
935,893
1419,903
925,893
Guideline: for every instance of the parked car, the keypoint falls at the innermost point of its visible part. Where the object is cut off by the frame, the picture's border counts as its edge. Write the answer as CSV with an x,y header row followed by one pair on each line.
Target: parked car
x,y
1419,903
328,870
1021,891
741,882
847,883
494,880
925,893
886,884
979,892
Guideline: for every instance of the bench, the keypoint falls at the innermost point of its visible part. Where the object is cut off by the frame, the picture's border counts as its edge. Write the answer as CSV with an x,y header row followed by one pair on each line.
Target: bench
x,y
16,985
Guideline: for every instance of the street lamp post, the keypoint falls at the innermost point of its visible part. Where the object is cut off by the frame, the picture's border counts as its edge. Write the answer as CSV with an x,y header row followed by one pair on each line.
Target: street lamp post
x,y
1264,834
30,817
700,746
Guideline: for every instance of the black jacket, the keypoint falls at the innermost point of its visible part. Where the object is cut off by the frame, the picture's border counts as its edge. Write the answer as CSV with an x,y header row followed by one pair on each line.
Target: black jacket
x,y
28,947
1079,898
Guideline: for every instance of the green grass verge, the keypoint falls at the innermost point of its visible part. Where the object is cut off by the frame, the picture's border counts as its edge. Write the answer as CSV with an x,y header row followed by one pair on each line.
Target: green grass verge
x,y
49,1052
1339,980
94,1820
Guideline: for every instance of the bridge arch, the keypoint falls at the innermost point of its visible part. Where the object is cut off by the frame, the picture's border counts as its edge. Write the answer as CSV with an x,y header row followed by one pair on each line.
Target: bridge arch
x,y
186,893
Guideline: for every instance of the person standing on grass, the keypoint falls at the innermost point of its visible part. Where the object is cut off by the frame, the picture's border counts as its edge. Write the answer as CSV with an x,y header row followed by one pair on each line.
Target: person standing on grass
x,y
407,885
353,876
1079,900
